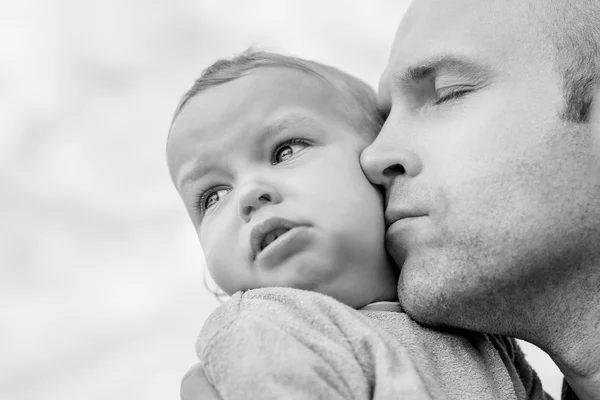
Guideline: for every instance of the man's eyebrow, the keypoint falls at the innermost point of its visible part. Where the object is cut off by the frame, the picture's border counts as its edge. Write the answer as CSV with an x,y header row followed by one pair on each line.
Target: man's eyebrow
x,y
204,161
443,63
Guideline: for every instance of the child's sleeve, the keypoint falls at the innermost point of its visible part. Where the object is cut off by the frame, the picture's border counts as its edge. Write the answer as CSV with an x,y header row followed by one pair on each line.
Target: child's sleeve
x,y
255,358
267,353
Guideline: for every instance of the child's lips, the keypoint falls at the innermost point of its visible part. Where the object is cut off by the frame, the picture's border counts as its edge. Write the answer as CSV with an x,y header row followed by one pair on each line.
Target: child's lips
x,y
262,229
284,246
271,237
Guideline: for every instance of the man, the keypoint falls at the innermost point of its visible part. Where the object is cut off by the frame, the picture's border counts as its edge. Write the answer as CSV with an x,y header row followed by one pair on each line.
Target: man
x,y
490,160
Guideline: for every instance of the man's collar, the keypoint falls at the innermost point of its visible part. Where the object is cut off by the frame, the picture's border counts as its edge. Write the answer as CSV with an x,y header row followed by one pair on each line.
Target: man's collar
x,y
383,306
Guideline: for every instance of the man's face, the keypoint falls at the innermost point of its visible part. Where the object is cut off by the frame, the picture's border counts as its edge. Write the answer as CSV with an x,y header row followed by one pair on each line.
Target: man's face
x,y
490,197
268,168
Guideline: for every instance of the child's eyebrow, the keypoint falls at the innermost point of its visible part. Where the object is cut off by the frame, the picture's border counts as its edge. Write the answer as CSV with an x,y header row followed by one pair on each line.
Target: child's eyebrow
x,y
199,169
289,121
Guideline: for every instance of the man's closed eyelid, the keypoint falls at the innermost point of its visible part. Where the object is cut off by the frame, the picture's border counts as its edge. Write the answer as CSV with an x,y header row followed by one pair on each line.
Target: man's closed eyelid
x,y
450,90
454,91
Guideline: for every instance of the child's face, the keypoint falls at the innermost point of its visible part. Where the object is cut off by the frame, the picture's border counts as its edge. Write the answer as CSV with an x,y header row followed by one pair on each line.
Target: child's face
x,y
272,156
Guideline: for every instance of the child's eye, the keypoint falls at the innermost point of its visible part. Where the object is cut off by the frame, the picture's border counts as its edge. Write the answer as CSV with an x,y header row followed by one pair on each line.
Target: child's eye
x,y
210,197
287,149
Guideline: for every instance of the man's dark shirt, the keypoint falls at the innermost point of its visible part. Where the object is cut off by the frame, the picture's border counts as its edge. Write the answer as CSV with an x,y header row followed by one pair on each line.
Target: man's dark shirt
x,y
567,393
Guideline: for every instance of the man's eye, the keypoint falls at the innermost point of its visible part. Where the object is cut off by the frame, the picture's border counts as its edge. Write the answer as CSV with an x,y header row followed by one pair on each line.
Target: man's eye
x,y
210,198
447,96
286,150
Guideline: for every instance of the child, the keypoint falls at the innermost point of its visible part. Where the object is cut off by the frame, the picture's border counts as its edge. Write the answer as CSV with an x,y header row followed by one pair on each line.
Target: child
x,y
264,150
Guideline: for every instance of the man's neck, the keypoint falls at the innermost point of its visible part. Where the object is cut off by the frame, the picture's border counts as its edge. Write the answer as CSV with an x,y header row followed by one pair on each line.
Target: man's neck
x,y
571,335
579,361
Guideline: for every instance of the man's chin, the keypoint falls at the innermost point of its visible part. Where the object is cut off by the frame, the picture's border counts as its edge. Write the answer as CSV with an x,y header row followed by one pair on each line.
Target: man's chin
x,y
416,305
424,296
426,313
438,303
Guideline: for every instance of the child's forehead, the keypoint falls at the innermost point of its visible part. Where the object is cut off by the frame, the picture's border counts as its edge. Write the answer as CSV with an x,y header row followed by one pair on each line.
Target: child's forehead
x,y
266,97
246,134
230,128
237,118
196,152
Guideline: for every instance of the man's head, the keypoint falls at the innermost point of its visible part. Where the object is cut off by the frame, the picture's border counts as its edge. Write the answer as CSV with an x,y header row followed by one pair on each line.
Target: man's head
x,y
492,146
264,151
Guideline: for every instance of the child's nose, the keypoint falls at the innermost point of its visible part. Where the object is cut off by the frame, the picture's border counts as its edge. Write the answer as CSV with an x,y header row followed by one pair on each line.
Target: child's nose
x,y
253,197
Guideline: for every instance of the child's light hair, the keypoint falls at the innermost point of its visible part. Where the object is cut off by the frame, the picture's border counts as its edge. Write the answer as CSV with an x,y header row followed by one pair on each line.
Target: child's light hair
x,y
362,103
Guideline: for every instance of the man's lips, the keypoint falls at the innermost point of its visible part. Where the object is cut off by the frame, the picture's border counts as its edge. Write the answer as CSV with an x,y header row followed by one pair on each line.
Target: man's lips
x,y
263,228
395,214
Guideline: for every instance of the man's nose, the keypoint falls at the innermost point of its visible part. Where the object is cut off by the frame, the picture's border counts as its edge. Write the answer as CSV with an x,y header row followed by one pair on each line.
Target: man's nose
x,y
253,196
387,158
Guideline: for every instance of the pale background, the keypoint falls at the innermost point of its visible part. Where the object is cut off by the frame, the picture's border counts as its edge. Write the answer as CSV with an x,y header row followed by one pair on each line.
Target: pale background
x,y
101,292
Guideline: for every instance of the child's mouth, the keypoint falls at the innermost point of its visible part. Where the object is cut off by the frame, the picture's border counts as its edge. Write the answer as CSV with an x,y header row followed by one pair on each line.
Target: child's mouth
x,y
269,234
282,244
271,237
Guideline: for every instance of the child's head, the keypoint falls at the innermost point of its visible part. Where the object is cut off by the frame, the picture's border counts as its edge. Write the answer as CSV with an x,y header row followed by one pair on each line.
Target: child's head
x,y
264,150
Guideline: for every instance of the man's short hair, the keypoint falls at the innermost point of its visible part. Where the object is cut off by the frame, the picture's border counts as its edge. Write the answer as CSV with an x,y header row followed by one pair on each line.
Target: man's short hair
x,y
362,99
573,27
